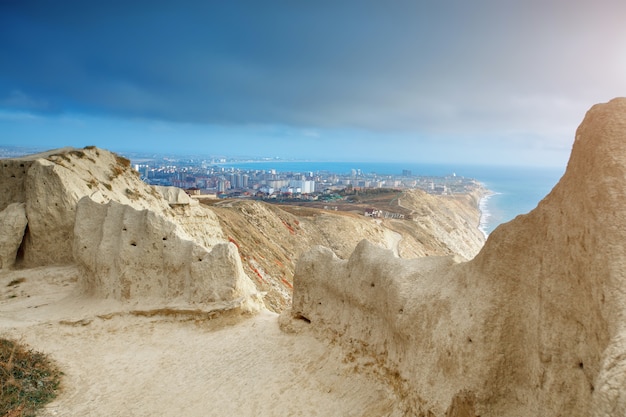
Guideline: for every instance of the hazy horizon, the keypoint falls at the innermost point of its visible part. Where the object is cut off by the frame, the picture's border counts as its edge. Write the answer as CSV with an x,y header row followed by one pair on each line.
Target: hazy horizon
x,y
486,82
235,160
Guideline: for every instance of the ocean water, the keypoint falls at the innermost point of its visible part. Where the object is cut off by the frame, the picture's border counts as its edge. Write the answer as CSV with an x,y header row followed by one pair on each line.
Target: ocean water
x,y
515,190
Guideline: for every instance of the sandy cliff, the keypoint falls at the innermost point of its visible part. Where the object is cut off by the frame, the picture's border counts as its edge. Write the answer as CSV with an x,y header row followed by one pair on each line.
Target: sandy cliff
x,y
532,326
130,242
271,238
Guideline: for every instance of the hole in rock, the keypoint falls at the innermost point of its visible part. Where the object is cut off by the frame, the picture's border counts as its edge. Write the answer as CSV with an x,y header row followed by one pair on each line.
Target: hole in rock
x,y
164,238
372,285
301,317
19,257
581,365
133,244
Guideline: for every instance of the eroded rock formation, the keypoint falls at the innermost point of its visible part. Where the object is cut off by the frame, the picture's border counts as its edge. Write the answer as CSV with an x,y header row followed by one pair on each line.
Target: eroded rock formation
x,y
125,253
533,326
130,240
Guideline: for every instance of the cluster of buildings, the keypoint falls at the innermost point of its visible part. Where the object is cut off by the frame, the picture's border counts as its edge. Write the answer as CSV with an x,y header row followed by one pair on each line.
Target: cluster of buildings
x,y
222,181
217,180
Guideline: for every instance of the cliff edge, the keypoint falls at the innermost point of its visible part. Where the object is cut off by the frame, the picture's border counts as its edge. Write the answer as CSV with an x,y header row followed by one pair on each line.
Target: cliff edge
x,y
532,326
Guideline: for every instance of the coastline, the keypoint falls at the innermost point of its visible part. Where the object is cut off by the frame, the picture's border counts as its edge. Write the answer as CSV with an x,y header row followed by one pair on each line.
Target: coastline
x,y
484,196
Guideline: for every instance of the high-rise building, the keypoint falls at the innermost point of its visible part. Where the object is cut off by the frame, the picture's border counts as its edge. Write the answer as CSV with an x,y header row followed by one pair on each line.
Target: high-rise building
x,y
221,185
305,187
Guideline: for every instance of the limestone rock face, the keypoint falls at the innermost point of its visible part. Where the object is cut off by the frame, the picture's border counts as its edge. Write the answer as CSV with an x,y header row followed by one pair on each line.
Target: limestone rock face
x,y
51,183
534,325
175,196
132,242
126,253
13,222
446,224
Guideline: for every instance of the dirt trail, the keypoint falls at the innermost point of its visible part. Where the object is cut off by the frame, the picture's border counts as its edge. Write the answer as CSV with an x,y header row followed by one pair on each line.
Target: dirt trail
x,y
145,366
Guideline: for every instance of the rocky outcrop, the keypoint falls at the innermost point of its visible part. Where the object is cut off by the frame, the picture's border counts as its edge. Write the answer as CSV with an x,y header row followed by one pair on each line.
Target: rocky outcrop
x,y
51,183
534,325
131,241
270,237
125,253
12,225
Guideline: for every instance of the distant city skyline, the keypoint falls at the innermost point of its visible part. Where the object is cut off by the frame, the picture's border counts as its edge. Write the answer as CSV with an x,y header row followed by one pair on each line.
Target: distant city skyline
x,y
484,82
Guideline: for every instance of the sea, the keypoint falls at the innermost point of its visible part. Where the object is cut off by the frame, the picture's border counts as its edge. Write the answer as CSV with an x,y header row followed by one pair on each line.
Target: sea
x,y
513,190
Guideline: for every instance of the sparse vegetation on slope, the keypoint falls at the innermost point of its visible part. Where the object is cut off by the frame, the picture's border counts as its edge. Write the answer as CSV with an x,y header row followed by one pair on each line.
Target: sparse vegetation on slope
x,y
271,237
28,379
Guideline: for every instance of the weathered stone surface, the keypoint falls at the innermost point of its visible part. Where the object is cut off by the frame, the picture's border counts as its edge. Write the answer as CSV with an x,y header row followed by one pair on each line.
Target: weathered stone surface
x,y
175,196
13,222
51,183
447,224
534,325
146,244
126,254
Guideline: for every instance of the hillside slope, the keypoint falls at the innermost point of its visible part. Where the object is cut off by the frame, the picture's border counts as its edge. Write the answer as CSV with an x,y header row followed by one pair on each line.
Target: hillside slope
x,y
271,238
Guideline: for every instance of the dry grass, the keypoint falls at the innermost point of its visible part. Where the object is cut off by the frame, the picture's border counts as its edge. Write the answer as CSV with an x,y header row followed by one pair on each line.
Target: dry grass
x,y
116,171
79,154
16,282
121,166
124,162
92,183
132,194
28,379
91,148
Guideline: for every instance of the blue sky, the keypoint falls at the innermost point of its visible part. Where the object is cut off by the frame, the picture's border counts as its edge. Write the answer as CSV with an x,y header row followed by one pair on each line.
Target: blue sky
x,y
486,81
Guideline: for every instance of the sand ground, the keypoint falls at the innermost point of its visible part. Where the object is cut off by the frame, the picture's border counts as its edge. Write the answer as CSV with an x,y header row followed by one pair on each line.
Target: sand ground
x,y
118,363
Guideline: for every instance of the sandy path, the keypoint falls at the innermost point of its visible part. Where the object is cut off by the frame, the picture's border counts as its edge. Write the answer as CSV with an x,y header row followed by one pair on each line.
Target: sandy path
x,y
147,366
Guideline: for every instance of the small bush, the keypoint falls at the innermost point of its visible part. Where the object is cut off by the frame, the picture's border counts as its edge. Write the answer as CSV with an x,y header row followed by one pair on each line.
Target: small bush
x,y
133,195
122,161
28,379
79,154
117,171
92,183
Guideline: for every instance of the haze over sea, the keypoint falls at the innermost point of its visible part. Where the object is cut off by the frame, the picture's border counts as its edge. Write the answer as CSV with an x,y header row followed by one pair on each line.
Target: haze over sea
x,y
516,190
